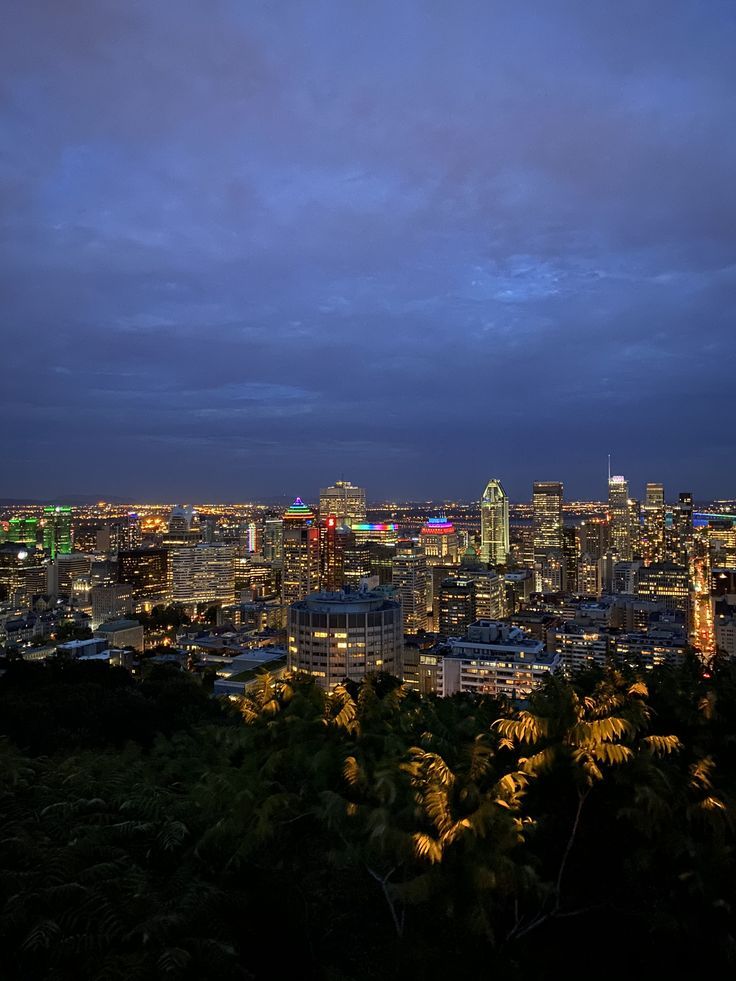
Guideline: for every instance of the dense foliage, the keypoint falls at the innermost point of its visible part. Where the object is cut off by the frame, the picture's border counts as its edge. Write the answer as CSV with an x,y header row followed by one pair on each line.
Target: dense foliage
x,y
149,831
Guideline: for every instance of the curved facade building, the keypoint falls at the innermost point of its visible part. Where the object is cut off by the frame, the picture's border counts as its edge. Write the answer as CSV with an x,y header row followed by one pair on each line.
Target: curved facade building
x,y
339,636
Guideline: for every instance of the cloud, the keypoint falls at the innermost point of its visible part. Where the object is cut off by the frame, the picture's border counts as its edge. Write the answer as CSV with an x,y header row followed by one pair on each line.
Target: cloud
x,y
430,242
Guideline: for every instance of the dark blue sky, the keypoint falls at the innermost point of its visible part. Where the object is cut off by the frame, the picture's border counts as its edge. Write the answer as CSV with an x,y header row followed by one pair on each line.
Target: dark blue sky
x,y
247,247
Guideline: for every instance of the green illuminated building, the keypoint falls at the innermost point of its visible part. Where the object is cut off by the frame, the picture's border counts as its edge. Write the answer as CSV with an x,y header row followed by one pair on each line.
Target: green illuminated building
x,y
57,530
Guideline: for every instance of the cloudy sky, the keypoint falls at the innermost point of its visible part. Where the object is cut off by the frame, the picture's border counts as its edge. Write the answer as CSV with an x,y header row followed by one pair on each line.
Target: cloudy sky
x,y
248,247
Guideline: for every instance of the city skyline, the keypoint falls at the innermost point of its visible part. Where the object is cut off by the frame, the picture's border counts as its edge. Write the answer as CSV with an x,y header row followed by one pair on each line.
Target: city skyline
x,y
420,246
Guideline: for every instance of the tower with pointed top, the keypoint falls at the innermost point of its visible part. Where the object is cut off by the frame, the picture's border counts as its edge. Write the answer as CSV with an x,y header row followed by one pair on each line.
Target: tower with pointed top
x,y
494,523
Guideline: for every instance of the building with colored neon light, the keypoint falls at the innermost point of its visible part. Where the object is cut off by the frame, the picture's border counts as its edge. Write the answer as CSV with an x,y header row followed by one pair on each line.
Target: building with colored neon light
x,y
440,541
300,553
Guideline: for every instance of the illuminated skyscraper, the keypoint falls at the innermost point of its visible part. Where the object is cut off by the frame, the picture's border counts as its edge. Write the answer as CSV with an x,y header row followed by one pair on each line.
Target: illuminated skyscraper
x,y
652,539
331,555
620,517
148,571
410,577
494,523
300,555
549,561
203,573
343,500
547,508
681,529
57,531
456,605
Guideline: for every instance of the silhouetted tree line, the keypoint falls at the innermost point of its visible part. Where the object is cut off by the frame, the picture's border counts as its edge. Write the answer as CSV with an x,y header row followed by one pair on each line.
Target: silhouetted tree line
x,y
149,831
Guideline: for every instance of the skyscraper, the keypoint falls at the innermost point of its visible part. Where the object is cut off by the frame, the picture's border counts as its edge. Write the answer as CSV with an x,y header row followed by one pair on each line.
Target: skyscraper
x,y
549,561
653,524
203,573
57,530
300,553
439,541
620,517
547,509
343,500
331,555
410,577
494,523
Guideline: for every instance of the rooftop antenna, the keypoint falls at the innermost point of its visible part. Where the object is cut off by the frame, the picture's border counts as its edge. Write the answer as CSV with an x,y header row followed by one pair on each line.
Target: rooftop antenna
x,y
609,468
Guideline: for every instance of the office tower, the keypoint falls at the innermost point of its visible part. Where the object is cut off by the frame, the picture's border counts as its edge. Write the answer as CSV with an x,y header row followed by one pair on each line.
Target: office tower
x,y
203,573
376,531
148,571
64,572
251,537
344,636
666,583
183,526
255,579
14,557
110,601
208,529
547,511
494,524
440,541
87,536
619,517
57,530
571,555
489,587
550,571
456,605
331,555
521,545
273,539
356,558
681,529
380,559
300,553
653,513
21,531
549,560
345,501
635,528
410,577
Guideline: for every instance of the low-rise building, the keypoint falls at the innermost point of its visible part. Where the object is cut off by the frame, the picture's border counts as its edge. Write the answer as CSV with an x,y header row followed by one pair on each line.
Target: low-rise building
x,y
495,658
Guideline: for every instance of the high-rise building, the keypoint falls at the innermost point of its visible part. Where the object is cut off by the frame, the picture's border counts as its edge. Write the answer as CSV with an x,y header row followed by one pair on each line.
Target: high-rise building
x,y
666,583
439,541
345,501
300,553
184,527
331,555
494,523
653,514
273,539
57,530
344,636
110,601
387,533
21,531
547,510
681,529
203,573
456,605
620,517
410,578
148,572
